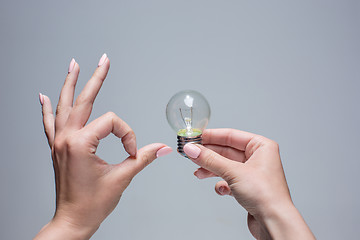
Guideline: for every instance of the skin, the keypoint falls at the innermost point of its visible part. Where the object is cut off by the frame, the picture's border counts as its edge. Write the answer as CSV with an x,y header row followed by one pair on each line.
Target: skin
x,y
252,173
87,188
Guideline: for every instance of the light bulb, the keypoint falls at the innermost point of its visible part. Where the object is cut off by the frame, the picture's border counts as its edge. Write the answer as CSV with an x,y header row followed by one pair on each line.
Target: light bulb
x,y
188,113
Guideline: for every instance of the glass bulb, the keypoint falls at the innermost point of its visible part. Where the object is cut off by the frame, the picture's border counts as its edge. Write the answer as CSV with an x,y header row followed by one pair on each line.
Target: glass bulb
x,y
188,113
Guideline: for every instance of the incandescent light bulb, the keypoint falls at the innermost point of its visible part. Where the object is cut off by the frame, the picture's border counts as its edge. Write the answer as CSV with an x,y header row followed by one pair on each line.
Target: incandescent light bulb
x,y
188,113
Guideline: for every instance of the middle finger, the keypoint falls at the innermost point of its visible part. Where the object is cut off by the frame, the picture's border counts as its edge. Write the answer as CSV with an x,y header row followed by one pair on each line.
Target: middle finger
x,y
228,152
227,137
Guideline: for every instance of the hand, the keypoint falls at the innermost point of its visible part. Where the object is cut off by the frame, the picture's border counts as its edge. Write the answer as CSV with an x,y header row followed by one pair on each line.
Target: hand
x,y
87,188
251,167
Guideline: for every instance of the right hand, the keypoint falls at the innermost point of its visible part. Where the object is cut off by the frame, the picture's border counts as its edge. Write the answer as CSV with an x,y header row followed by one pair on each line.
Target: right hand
x,y
252,171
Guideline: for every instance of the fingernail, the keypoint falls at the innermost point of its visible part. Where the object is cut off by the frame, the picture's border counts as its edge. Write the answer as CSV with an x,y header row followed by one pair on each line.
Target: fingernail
x,y
41,98
71,65
102,60
191,150
163,151
198,174
222,190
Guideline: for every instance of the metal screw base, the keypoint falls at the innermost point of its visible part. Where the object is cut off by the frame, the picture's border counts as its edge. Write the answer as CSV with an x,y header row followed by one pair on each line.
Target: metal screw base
x,y
184,140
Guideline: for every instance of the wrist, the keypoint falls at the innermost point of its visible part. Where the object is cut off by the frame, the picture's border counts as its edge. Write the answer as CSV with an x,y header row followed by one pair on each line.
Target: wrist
x,y
284,221
62,228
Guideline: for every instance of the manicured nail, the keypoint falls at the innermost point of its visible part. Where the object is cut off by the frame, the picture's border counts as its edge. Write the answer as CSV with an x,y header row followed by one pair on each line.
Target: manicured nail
x,y
41,98
198,174
102,60
163,151
191,150
71,65
222,190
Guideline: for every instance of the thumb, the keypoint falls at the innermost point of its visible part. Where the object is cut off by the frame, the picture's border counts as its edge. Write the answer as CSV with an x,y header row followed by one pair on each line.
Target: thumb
x,y
209,159
149,153
133,165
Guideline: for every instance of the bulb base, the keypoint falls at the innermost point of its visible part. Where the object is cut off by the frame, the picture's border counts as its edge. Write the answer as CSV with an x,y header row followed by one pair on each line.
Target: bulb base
x,y
184,140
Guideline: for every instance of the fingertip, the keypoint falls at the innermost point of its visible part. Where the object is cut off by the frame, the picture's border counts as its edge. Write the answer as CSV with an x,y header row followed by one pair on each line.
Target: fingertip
x,y
46,100
129,143
150,152
104,61
132,149
197,174
220,191
41,99
71,65
163,151
74,68
222,188
151,149
191,150
133,152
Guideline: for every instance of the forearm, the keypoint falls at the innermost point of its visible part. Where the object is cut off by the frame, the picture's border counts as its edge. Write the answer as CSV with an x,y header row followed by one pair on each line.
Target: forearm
x,y
286,222
61,229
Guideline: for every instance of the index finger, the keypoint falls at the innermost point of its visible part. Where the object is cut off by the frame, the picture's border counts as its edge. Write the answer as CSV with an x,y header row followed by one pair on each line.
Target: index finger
x,y
111,123
227,137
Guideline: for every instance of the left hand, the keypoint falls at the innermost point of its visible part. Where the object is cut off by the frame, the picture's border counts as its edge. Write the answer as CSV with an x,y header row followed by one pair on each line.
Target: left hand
x,y
87,188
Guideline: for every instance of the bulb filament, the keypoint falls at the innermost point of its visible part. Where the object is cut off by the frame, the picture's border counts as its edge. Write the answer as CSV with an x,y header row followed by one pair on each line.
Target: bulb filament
x,y
187,121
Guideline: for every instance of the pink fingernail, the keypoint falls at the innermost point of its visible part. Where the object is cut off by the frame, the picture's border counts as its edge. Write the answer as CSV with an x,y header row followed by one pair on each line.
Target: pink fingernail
x,y
71,65
222,190
198,174
163,151
41,98
191,150
102,60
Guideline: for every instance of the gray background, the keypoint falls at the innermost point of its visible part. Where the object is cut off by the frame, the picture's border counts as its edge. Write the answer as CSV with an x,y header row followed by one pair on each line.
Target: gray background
x,y
288,70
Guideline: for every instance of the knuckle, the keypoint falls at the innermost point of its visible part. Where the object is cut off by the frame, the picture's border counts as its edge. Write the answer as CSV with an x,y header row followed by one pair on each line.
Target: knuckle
x,y
59,145
128,138
209,159
98,75
147,158
263,141
74,143
229,137
260,141
131,135
273,145
62,109
111,115
68,144
255,143
230,176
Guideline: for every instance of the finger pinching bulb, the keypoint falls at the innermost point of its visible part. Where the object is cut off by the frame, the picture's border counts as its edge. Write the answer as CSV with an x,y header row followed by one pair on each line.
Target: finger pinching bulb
x,y
188,113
